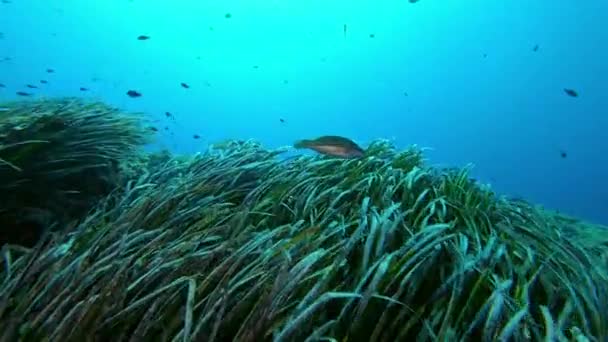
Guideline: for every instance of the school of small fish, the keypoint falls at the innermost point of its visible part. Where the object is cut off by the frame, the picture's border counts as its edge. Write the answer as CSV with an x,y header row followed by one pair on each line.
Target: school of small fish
x,y
335,146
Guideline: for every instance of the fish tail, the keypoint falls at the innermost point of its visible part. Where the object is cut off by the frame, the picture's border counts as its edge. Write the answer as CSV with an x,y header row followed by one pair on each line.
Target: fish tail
x,y
301,143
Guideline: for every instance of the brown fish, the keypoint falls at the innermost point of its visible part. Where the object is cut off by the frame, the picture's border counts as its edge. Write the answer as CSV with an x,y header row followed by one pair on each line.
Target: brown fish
x,y
332,145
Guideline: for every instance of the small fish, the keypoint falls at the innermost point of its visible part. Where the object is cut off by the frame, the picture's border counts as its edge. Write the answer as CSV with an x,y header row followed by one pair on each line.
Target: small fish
x,y
413,1
153,129
256,66
31,86
344,29
282,120
228,15
285,81
169,115
2,85
23,93
1,35
371,35
6,1
405,93
50,71
84,89
535,48
563,154
571,92
196,136
43,81
485,55
143,37
333,146
133,93
184,85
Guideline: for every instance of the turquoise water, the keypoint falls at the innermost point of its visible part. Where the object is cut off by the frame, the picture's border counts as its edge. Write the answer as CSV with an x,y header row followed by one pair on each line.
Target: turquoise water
x,y
463,78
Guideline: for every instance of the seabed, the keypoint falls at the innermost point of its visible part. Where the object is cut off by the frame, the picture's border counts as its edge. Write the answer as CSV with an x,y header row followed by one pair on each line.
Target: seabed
x,y
103,241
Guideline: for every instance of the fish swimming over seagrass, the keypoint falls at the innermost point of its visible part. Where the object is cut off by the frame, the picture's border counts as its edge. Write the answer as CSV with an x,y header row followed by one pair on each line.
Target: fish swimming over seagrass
x,y
332,145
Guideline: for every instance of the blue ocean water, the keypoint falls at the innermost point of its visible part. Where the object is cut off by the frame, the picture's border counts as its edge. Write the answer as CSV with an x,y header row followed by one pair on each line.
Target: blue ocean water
x,y
479,82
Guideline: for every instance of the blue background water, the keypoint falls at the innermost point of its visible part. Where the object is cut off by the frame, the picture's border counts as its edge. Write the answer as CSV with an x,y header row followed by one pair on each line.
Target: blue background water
x,y
477,92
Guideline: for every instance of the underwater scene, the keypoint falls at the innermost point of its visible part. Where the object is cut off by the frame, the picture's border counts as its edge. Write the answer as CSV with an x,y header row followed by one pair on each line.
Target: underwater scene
x,y
403,170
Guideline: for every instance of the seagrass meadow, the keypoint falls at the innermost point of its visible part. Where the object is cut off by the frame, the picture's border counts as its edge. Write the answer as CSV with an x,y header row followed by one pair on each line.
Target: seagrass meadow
x,y
239,244
57,157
